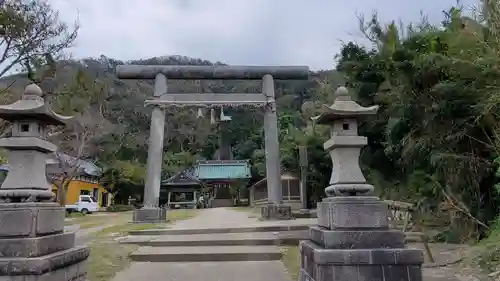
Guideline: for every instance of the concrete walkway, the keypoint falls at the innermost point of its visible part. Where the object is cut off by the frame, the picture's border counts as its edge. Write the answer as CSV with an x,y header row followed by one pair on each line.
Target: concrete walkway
x,y
223,270
215,218
228,218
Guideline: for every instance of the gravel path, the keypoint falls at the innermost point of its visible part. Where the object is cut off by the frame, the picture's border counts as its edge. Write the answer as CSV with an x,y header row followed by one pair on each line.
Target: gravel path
x,y
83,235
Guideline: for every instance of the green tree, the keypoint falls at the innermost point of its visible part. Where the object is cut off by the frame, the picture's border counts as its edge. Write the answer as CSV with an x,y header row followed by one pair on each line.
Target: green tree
x,y
29,31
433,141
123,179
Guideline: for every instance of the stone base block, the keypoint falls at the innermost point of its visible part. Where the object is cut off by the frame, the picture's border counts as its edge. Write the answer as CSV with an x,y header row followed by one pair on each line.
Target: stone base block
x,y
36,246
359,212
356,239
304,214
30,219
321,264
60,266
150,215
75,272
276,212
363,273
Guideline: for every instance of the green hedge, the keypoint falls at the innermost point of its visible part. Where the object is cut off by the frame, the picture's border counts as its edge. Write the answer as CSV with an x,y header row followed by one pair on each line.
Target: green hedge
x,y
120,208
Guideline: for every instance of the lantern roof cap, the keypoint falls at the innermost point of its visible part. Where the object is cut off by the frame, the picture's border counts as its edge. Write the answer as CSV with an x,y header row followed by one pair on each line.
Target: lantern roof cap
x,y
32,106
343,108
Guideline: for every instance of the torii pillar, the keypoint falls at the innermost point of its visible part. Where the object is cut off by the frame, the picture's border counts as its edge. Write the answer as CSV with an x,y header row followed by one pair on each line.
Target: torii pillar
x,y
151,211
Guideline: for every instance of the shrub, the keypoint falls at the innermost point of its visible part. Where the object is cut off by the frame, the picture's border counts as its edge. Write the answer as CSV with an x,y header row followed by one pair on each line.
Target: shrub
x,y
120,208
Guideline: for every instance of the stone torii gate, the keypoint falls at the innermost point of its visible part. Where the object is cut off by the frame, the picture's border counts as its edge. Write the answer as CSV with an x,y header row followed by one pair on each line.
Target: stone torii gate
x,y
275,209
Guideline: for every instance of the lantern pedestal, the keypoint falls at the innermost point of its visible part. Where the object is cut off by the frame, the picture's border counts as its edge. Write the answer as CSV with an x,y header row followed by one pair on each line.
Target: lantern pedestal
x,y
33,244
352,241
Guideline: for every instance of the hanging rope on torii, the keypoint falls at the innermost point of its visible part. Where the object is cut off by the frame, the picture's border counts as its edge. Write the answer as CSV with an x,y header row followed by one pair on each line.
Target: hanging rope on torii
x,y
213,115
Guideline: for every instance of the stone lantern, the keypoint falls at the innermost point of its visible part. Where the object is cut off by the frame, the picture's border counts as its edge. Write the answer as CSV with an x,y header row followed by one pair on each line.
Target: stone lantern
x,y
345,144
352,240
33,244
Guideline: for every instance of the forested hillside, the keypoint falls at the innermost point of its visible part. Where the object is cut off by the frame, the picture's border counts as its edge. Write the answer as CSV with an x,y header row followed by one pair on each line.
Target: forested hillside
x,y
187,137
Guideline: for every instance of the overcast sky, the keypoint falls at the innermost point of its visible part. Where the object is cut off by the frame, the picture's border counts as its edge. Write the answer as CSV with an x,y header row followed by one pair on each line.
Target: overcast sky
x,y
253,32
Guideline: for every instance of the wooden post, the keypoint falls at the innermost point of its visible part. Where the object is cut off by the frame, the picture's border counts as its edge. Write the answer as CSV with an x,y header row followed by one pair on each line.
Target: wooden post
x,y
303,175
288,186
168,200
195,199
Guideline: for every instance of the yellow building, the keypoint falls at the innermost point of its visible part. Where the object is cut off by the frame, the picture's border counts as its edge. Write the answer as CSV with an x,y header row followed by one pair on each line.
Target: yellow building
x,y
85,183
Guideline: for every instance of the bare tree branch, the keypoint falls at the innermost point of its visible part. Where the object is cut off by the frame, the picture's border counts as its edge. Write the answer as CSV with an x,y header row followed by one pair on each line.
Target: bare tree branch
x,y
29,31
83,98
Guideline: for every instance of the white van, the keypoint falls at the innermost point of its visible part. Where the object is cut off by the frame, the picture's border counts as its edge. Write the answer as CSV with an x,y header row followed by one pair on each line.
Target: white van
x,y
86,204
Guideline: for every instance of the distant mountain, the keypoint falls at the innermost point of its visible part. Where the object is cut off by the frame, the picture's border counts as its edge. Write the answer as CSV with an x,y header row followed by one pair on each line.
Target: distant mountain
x,y
124,104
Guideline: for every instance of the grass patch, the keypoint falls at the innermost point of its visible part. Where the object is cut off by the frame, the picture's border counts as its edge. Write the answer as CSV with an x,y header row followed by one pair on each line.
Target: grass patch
x,y
90,224
123,229
74,218
98,219
291,260
74,215
108,256
486,254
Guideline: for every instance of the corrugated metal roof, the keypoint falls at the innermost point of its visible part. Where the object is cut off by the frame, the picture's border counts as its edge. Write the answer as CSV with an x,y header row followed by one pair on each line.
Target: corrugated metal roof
x,y
185,177
87,167
222,169
52,166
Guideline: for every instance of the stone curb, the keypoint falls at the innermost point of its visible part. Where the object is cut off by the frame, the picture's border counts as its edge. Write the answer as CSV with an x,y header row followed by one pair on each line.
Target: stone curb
x,y
219,230
206,257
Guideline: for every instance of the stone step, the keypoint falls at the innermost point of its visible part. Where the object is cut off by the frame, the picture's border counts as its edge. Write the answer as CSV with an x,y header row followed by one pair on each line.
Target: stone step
x,y
270,228
224,239
206,254
205,271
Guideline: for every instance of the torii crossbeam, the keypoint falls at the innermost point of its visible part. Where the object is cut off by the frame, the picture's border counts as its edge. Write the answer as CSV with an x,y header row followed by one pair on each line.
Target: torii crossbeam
x,y
210,99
